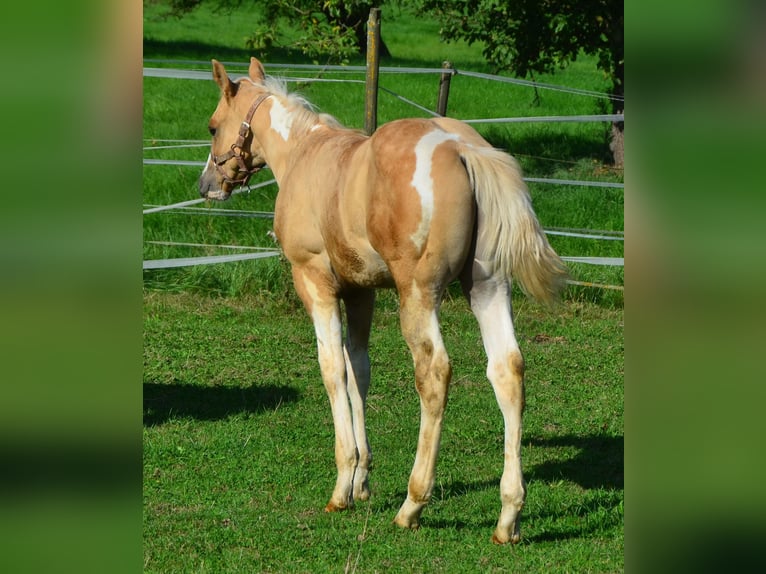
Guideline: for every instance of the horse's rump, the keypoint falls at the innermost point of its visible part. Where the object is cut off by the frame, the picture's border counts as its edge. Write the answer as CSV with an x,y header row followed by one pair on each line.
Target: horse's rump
x,y
434,177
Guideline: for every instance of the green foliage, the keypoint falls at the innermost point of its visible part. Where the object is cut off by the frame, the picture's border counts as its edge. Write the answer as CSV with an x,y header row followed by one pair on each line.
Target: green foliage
x,y
523,36
535,37
331,29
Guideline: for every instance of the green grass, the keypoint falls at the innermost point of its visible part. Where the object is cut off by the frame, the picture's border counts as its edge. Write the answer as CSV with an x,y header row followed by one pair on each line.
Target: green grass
x,y
238,456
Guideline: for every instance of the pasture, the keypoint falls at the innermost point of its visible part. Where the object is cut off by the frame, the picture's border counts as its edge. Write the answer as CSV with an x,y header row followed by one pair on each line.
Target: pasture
x,y
238,460
238,436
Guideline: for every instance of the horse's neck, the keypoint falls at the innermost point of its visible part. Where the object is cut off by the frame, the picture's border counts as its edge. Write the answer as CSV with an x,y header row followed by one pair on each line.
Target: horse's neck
x,y
276,157
276,151
283,136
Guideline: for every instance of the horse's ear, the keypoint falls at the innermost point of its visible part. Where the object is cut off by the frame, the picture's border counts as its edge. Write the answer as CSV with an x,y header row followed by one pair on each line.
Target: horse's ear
x,y
256,72
228,88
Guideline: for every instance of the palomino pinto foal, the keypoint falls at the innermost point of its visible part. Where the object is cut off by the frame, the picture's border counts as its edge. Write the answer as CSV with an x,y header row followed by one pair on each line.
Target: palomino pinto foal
x,y
415,206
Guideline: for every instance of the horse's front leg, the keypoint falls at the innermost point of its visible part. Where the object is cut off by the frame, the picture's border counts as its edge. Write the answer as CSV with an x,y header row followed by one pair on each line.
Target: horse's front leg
x,y
359,309
324,308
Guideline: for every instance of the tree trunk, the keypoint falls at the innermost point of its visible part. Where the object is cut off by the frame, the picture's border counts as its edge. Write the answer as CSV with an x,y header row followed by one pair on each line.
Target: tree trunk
x,y
617,144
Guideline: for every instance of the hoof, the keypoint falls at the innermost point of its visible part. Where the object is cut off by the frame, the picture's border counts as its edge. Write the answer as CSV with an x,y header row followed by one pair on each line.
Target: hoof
x,y
405,523
363,496
505,539
409,515
332,507
413,526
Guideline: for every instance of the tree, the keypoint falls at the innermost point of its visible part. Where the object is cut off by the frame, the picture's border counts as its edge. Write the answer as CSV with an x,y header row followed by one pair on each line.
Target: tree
x,y
538,36
525,37
333,29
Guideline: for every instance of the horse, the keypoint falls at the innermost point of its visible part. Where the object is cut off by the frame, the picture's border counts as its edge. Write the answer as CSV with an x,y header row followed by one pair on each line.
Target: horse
x,y
415,206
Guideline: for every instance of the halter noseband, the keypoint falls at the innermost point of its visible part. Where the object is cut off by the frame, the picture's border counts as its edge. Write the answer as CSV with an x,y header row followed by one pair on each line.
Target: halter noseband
x,y
235,151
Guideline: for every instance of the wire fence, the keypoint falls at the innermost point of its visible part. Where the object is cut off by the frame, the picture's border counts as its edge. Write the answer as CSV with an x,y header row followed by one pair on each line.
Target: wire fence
x,y
186,74
188,207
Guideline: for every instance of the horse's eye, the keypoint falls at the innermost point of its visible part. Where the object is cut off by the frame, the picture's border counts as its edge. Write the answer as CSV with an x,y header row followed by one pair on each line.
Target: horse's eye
x,y
211,129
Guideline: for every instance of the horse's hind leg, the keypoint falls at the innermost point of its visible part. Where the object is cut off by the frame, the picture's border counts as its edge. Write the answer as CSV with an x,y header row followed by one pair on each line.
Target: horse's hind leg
x,y
359,308
420,327
489,296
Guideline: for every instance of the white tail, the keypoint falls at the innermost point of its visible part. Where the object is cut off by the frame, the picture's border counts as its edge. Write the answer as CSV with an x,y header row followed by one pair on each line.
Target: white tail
x,y
509,233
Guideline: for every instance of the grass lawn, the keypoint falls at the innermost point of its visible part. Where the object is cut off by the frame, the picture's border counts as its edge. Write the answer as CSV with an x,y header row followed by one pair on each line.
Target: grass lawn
x,y
238,456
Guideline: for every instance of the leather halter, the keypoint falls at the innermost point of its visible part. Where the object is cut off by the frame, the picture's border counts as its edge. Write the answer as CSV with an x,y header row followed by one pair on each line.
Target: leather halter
x,y
243,173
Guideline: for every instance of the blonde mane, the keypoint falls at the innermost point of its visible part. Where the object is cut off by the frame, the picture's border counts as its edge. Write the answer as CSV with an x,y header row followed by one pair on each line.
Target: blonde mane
x,y
305,114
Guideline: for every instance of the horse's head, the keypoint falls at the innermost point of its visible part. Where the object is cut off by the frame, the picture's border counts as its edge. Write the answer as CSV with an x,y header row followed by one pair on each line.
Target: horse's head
x,y
235,154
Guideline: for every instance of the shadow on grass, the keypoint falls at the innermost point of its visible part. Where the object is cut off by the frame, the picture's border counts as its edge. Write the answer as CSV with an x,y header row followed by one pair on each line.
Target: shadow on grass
x,y
165,401
598,465
537,149
191,50
599,462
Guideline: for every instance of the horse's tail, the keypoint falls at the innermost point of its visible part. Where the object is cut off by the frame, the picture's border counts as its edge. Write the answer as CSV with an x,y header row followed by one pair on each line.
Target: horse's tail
x,y
508,232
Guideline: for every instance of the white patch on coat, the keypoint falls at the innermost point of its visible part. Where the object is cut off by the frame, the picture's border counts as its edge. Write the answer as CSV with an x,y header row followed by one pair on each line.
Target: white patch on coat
x,y
208,163
281,119
327,324
423,182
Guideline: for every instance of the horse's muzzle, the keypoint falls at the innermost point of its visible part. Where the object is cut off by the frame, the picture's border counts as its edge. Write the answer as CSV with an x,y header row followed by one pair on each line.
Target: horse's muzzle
x,y
209,187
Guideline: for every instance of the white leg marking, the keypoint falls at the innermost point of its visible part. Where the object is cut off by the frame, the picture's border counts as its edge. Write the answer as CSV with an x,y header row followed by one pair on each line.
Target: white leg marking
x,y
359,316
490,302
494,315
281,119
424,183
358,374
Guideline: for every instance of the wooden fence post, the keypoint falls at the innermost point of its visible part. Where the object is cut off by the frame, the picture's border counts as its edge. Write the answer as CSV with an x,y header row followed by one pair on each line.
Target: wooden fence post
x,y
373,68
446,76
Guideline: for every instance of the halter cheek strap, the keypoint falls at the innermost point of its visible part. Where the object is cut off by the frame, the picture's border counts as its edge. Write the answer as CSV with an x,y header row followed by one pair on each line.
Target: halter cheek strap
x,y
243,173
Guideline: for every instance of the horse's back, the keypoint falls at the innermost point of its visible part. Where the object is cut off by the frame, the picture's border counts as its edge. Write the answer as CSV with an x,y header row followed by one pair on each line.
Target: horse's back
x,y
391,208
